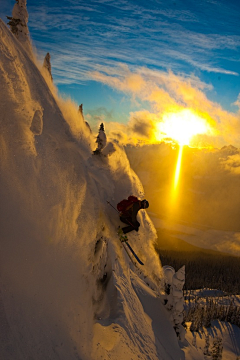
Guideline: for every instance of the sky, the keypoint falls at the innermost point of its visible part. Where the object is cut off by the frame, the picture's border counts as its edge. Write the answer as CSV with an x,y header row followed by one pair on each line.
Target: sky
x,y
131,63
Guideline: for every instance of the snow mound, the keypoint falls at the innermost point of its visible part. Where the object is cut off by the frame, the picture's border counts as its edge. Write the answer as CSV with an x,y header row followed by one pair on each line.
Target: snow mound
x,y
67,289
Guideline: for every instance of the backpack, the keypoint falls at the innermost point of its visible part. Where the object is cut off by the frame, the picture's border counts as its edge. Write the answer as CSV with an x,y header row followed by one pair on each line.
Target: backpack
x,y
125,204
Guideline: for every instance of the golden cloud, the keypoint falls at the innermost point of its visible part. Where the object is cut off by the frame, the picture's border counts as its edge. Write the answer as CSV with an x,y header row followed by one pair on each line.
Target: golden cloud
x,y
232,164
167,92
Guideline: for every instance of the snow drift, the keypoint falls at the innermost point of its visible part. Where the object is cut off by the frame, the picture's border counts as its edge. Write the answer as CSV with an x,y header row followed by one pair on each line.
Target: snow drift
x,y
67,289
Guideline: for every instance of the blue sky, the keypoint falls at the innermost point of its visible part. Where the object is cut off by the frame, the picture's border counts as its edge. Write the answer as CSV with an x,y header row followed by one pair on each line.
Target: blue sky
x,y
195,41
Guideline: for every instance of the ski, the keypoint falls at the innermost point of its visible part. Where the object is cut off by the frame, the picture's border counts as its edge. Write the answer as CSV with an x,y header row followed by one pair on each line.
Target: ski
x,y
124,240
134,254
135,264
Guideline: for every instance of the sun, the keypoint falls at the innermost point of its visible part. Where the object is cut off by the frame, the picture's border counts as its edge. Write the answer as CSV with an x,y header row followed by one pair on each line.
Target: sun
x,y
181,126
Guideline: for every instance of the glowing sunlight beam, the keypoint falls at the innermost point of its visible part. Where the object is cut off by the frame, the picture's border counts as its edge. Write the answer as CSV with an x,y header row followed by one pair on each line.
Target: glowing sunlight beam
x,y
174,190
178,168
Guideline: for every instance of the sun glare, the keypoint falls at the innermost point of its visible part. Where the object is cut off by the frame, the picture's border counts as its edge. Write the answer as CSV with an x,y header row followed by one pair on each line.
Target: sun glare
x,y
181,126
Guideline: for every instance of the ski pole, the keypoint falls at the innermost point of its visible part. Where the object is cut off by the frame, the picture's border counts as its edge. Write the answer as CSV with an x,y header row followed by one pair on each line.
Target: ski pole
x,y
113,207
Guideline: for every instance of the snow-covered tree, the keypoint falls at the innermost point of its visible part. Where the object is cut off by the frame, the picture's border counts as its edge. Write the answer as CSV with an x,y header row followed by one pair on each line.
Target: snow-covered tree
x,y
238,318
178,301
195,323
208,316
80,109
101,140
47,65
206,351
174,299
194,341
168,275
217,349
18,24
231,312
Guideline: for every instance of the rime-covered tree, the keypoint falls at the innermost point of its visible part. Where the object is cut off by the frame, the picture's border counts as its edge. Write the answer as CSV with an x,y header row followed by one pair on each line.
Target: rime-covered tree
x,y
206,351
238,318
174,300
80,109
217,349
178,281
101,140
194,341
47,65
193,326
231,312
18,24
208,317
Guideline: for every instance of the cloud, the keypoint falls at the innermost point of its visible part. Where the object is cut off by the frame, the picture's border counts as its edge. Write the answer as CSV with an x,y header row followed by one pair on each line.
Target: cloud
x,y
232,163
237,102
126,81
142,124
168,92
200,62
139,130
82,36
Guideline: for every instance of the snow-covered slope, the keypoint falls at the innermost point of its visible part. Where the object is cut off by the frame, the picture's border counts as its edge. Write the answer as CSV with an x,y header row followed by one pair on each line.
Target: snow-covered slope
x,y
67,289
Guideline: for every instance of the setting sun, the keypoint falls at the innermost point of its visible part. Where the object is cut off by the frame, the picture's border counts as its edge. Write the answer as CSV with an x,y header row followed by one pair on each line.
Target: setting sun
x,y
181,126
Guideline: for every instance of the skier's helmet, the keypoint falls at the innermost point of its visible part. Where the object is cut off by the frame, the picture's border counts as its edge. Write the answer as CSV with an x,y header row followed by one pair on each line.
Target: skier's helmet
x,y
145,204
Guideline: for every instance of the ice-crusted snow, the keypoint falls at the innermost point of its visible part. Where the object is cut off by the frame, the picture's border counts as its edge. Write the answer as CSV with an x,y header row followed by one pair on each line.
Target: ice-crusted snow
x,y
67,289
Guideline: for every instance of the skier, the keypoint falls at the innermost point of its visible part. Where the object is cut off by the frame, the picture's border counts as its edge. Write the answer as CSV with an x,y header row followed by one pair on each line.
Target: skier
x,y
128,210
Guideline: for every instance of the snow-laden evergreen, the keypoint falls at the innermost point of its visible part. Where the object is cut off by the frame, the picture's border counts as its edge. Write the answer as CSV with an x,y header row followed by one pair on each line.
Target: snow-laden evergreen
x,y
174,299
47,65
101,140
67,288
178,281
18,24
